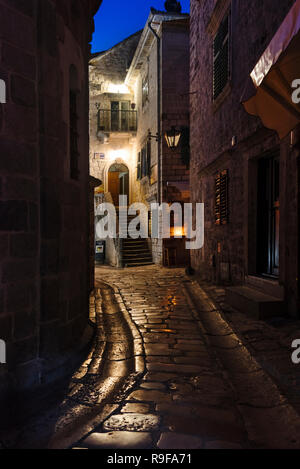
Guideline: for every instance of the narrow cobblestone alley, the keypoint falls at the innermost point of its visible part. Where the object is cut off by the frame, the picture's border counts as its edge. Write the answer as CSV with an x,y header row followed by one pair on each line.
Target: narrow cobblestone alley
x,y
169,370
149,226
200,387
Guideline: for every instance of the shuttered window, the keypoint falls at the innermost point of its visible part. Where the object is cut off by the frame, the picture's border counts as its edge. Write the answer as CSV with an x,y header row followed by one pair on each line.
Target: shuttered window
x,y
144,162
149,159
221,67
221,202
139,167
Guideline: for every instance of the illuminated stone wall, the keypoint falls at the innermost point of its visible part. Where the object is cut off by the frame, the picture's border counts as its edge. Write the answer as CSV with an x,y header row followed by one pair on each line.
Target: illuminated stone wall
x,y
44,227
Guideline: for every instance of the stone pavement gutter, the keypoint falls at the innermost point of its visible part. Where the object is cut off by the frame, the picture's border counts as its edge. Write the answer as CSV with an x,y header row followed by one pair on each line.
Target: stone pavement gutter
x,y
270,420
268,341
111,369
202,387
168,370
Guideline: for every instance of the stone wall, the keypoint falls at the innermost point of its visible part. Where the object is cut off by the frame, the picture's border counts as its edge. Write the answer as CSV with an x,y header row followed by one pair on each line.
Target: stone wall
x,y
174,70
107,72
229,251
44,215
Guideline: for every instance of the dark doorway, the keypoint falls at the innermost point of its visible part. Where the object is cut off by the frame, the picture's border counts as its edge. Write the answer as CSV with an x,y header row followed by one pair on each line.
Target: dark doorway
x,y
268,216
118,182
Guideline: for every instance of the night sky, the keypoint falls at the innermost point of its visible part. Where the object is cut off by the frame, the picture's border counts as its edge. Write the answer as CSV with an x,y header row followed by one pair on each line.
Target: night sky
x,y
118,19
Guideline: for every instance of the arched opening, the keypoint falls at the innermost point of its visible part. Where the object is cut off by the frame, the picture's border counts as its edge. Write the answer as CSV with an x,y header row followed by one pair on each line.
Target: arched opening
x,y
118,182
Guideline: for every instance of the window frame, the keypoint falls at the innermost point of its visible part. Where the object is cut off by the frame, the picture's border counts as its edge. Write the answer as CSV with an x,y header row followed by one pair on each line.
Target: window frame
x,y
144,161
222,198
228,38
145,86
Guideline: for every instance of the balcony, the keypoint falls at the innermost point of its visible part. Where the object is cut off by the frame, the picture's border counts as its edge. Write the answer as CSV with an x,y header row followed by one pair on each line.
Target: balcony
x,y
117,121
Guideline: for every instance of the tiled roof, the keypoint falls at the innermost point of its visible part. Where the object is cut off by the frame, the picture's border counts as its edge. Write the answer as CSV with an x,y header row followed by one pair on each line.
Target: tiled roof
x,y
117,60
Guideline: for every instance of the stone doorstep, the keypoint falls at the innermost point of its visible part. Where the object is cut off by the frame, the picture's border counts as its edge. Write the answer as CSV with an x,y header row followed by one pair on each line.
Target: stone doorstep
x,y
254,302
118,440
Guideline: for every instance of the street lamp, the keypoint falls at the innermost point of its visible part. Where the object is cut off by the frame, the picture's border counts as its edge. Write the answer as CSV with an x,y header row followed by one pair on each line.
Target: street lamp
x,y
173,137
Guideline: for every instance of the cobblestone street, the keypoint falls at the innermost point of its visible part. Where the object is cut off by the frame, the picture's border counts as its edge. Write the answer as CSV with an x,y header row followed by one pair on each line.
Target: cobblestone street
x,y
171,367
199,387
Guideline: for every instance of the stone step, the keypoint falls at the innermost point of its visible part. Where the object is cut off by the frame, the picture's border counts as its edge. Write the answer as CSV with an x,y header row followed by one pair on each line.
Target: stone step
x,y
137,264
254,302
137,259
137,256
136,253
133,243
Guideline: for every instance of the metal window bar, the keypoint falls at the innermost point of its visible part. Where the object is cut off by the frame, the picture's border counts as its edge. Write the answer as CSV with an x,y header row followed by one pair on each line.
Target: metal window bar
x,y
117,121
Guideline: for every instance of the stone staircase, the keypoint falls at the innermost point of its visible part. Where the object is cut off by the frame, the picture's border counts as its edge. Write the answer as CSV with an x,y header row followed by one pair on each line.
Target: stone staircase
x,y
134,252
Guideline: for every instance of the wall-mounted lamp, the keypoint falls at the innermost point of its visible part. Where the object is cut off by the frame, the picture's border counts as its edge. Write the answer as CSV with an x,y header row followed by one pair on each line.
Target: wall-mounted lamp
x,y
172,137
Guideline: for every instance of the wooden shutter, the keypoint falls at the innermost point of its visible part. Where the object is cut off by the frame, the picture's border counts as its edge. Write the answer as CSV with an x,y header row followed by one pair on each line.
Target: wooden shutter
x,y
221,71
221,202
139,168
149,159
144,161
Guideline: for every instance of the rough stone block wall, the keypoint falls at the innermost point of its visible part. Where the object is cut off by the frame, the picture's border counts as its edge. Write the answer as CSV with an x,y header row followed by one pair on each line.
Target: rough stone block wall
x,y
228,252
19,196
44,224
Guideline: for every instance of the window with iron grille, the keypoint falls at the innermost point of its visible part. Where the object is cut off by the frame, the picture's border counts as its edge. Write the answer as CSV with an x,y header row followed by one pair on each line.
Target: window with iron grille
x,y
74,153
221,51
221,201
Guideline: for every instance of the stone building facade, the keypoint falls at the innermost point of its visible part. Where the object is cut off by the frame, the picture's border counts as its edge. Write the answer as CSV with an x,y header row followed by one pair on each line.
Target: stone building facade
x,y
155,84
112,130
44,173
234,158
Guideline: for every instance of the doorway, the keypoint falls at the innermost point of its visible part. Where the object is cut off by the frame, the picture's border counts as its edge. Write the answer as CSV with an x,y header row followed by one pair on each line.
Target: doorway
x,y
118,182
268,216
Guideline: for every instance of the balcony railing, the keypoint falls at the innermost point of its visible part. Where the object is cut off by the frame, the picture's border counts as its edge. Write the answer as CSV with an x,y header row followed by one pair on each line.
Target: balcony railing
x,y
117,121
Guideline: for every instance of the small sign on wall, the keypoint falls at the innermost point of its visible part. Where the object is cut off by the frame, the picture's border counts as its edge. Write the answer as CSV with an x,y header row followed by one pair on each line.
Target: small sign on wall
x,y
2,92
99,156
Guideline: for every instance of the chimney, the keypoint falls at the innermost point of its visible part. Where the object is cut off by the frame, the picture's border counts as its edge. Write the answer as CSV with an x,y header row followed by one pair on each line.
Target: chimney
x,y
172,6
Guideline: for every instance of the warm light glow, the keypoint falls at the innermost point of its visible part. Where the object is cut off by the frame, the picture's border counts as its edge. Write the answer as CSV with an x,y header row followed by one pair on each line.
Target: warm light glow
x,y
118,154
118,89
177,232
172,138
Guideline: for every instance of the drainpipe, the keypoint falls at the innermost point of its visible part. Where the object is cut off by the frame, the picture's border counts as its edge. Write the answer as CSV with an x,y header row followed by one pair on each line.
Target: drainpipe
x,y
158,111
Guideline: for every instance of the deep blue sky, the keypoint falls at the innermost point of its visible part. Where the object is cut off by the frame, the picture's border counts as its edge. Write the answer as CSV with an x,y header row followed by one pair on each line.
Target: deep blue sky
x,y
118,19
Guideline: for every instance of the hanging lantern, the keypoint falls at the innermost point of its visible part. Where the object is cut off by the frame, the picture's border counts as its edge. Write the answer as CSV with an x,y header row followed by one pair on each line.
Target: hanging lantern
x,y
173,137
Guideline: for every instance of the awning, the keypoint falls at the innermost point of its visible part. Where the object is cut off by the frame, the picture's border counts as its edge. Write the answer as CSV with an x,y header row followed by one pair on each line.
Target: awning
x,y
269,95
